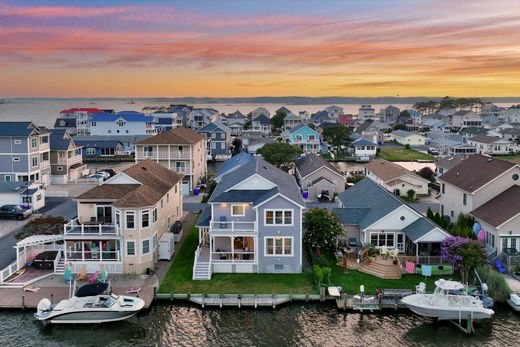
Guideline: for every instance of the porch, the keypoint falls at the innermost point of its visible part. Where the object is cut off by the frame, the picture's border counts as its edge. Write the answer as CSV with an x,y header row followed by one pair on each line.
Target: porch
x,y
92,251
99,227
227,249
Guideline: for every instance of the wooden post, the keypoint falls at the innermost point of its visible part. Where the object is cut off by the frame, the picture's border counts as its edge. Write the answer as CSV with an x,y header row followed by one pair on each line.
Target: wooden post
x,y
23,302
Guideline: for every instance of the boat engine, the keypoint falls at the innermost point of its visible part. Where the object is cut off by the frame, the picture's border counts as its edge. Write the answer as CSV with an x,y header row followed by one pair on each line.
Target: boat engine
x,y
44,305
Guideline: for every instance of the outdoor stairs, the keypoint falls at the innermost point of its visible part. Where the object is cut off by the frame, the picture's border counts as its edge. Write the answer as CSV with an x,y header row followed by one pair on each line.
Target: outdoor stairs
x,y
385,271
202,271
60,268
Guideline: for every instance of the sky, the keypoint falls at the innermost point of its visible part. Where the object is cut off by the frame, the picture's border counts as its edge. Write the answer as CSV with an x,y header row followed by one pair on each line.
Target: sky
x,y
247,48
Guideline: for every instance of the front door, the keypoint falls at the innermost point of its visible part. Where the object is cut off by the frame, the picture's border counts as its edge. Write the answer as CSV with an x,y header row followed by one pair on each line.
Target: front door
x,y
400,242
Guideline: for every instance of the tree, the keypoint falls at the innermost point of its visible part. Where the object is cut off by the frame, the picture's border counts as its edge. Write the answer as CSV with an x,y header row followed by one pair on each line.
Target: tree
x,y
279,154
463,253
277,119
429,214
426,172
236,146
337,135
463,226
45,225
410,194
321,228
399,127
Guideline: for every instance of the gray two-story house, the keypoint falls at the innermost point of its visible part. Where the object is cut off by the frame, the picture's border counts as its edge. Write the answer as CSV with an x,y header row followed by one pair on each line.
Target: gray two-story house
x,y
218,137
24,153
253,223
66,158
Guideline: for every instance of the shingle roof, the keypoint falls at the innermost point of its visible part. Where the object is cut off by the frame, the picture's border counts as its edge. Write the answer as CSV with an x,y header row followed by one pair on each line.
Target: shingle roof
x,y
285,183
461,113
17,128
451,161
484,139
175,136
208,128
98,143
367,194
475,172
363,142
311,162
65,123
156,180
205,217
234,162
501,208
262,119
402,133
14,187
59,141
129,116
387,170
364,126
419,228
350,216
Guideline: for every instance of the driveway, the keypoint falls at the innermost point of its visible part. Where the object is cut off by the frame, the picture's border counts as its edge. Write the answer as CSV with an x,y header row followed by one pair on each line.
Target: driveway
x,y
193,206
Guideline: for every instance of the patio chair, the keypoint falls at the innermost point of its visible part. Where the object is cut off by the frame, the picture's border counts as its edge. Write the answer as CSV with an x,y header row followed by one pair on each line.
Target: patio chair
x,y
384,252
394,254
93,279
352,243
82,276
67,276
223,223
103,276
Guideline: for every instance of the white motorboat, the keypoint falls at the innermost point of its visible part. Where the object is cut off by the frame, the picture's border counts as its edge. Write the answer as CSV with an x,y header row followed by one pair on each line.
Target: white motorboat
x,y
89,309
448,302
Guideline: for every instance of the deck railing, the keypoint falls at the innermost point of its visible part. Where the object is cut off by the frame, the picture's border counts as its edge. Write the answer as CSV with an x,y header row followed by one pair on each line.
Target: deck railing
x,y
422,259
95,255
8,271
163,155
74,228
233,226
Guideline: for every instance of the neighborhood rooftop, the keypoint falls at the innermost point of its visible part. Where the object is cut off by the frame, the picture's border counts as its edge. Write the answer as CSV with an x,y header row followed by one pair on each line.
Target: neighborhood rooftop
x,y
176,136
19,129
311,162
501,208
387,170
476,171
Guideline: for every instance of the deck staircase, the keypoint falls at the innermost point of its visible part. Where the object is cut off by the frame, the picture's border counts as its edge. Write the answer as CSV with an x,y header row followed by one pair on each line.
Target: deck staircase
x,y
60,268
202,271
385,271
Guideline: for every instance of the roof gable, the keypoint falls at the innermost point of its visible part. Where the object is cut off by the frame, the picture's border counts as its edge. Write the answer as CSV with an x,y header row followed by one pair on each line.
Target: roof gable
x,y
311,162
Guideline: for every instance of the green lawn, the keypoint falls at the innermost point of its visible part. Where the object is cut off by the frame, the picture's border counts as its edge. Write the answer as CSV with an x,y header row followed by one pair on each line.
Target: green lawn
x,y
178,279
403,154
515,156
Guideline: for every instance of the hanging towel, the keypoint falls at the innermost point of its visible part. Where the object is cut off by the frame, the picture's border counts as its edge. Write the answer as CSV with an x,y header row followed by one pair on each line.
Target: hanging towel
x,y
426,270
409,267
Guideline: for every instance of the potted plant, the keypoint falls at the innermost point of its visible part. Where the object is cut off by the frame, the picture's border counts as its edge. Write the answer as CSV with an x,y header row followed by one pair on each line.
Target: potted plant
x,y
372,252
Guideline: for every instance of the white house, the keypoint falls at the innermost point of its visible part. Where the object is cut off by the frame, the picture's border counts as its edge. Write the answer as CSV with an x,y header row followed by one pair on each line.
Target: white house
x,y
463,118
394,177
491,145
22,194
511,115
364,150
121,123
367,112
407,138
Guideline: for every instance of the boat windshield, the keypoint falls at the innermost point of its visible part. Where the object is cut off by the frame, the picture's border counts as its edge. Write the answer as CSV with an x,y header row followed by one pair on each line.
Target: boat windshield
x,y
108,303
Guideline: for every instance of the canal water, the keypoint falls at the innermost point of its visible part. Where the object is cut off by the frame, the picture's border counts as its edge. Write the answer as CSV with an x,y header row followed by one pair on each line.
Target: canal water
x,y
289,325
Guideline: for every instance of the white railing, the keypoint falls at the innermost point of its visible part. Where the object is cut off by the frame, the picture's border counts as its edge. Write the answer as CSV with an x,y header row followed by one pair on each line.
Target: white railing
x,y
233,257
183,170
197,254
93,266
57,260
233,226
8,271
163,155
74,228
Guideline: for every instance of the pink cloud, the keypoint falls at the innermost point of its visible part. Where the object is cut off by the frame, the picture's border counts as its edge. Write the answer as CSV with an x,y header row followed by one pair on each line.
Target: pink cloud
x,y
61,11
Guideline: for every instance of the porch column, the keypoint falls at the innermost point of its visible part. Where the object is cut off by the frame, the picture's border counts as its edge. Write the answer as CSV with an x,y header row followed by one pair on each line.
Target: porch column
x,y
65,250
200,238
232,248
83,250
210,249
416,252
157,155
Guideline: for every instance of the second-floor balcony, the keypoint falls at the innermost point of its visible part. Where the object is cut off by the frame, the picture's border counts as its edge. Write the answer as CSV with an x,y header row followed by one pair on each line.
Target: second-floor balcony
x,y
75,228
45,164
185,170
163,155
225,225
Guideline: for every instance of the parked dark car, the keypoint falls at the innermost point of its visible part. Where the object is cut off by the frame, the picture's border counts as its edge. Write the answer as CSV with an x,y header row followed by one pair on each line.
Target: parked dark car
x,y
111,172
14,211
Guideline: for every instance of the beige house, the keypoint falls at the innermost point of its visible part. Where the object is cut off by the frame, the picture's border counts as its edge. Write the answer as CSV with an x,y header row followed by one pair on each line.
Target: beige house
x,y
181,150
394,177
316,175
120,222
464,119
408,138
490,145
475,181
500,220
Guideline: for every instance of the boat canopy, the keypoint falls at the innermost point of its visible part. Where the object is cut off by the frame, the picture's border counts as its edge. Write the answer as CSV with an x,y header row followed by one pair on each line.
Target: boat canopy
x,y
449,285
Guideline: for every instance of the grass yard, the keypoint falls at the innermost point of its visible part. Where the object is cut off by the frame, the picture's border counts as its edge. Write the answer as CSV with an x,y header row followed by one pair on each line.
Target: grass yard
x,y
515,157
403,154
178,279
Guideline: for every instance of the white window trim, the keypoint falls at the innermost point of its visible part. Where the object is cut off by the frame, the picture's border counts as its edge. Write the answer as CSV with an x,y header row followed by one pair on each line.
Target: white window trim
x,y
238,215
385,233
17,142
126,248
149,246
126,220
274,214
283,246
16,159
32,141
149,218
154,212
32,161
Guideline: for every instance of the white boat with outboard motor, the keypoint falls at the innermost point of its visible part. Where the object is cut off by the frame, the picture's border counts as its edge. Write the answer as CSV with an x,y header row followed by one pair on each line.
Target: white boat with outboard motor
x,y
448,302
89,306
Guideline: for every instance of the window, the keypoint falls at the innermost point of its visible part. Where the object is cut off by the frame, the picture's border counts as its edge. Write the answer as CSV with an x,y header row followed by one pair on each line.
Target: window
x,y
162,203
34,161
90,151
464,199
515,177
452,214
382,239
130,220
278,217
118,219
146,246
145,219
17,142
130,247
167,198
7,178
34,142
16,159
278,246
237,210
154,215
443,186
110,131
59,168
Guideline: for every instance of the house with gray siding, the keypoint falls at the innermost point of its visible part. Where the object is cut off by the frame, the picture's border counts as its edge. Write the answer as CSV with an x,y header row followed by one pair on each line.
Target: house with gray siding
x,y
66,158
316,176
218,137
24,153
253,223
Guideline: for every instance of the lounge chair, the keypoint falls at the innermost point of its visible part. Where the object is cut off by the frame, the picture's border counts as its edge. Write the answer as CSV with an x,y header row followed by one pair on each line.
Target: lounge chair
x,y
82,276
394,254
103,276
93,279
384,252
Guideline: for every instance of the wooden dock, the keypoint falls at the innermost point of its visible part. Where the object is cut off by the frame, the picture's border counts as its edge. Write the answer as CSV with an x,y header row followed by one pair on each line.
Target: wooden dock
x,y
235,300
388,299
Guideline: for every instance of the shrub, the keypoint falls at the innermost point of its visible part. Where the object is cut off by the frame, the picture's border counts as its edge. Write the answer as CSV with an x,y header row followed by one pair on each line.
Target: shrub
x,y
46,225
410,194
497,285
397,192
322,275
407,146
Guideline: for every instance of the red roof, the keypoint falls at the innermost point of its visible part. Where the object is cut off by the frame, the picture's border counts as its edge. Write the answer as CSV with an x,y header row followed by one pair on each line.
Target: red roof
x,y
346,119
83,109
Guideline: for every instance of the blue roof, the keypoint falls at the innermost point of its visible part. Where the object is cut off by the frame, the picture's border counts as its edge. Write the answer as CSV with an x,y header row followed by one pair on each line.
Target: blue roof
x,y
419,228
129,116
319,116
238,160
368,194
58,141
301,126
163,121
363,142
205,217
211,127
16,128
262,119
350,216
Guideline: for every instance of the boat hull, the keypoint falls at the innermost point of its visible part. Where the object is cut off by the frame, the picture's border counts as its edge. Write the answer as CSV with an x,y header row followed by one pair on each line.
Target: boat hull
x,y
89,317
449,314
